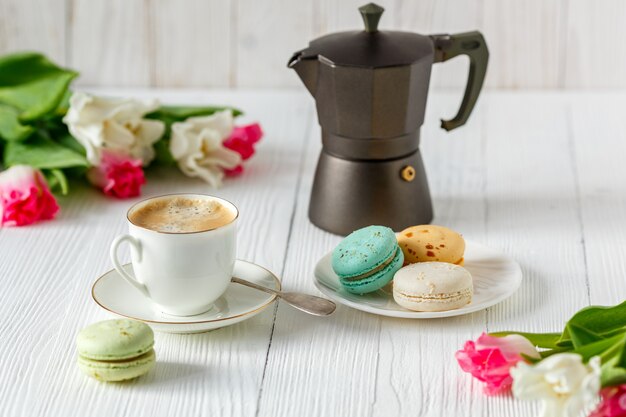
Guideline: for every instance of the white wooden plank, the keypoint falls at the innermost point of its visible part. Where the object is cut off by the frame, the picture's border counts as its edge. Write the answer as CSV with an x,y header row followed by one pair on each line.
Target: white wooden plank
x,y
533,214
598,146
48,269
268,33
34,26
526,41
111,42
193,43
328,365
533,210
595,54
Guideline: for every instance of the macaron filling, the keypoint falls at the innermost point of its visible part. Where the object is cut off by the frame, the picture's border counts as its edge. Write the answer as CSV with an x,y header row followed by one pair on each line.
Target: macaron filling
x,y
117,356
118,370
376,280
141,357
441,297
375,270
149,355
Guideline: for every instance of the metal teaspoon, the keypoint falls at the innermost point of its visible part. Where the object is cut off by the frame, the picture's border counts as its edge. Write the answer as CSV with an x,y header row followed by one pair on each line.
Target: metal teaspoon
x,y
310,304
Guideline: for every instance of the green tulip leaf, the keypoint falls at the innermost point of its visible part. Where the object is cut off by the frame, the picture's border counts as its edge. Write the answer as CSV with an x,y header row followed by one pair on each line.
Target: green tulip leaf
x,y
605,348
581,335
180,113
542,340
64,104
598,319
545,353
43,153
37,98
25,67
67,140
32,84
10,126
172,114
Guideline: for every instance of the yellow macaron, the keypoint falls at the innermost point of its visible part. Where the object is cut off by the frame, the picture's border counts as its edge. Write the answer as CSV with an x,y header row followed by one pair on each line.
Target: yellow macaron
x,y
428,243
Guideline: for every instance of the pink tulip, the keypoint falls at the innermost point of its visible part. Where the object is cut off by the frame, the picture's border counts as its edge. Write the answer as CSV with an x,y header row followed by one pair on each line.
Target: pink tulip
x,y
613,402
489,359
242,140
25,197
118,175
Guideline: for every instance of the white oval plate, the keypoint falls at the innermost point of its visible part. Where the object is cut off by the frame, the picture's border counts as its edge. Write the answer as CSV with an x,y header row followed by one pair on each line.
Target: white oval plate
x,y
238,303
496,277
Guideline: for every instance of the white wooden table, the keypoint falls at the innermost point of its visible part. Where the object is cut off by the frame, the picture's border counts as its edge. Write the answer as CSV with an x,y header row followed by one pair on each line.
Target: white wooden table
x,y
540,176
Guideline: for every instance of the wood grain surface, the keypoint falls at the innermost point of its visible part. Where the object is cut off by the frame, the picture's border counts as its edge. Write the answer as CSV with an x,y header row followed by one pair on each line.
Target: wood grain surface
x,y
537,44
539,176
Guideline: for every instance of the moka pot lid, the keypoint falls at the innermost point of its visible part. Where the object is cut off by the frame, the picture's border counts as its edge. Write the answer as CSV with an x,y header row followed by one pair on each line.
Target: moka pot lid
x,y
370,48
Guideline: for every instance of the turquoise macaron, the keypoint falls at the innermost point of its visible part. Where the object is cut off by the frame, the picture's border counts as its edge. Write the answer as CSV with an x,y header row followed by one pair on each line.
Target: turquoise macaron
x,y
116,350
367,259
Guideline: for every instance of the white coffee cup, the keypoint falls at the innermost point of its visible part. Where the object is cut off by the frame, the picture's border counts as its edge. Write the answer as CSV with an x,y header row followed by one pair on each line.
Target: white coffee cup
x,y
183,274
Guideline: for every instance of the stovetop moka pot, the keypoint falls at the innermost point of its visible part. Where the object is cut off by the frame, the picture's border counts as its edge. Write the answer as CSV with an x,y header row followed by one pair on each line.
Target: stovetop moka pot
x,y
370,90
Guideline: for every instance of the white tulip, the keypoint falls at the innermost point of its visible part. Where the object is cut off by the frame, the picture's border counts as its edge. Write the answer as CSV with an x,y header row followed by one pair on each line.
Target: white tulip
x,y
115,124
563,382
197,145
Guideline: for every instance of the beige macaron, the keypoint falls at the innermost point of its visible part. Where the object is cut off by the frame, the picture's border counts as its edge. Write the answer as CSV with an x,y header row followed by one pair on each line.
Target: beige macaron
x,y
432,286
430,243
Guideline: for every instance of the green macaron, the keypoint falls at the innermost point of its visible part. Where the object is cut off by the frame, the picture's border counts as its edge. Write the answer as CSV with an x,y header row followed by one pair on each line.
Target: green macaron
x,y
367,259
116,350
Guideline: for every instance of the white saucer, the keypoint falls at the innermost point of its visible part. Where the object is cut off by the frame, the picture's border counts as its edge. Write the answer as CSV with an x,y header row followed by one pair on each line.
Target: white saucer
x,y
496,277
239,303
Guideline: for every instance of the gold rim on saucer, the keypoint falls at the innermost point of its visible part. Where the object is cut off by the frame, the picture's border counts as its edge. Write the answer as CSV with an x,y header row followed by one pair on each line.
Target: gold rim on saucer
x,y
270,301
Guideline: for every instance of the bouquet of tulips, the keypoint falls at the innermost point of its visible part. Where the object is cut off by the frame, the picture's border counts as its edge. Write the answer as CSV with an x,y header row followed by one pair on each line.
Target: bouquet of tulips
x,y
579,371
48,133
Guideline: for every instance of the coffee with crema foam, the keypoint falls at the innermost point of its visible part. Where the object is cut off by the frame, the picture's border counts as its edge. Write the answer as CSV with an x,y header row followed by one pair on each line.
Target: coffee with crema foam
x,y
182,215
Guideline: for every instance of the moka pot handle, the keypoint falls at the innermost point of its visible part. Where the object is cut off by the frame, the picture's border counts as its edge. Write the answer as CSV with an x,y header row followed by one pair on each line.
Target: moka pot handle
x,y
473,45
